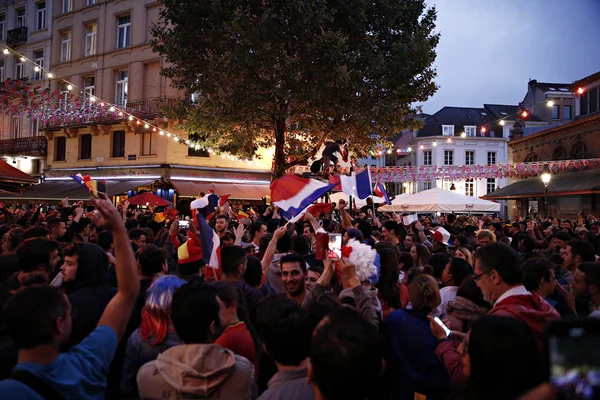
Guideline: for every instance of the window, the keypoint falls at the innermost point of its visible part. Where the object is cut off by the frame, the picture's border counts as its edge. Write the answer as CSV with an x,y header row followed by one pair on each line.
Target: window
x,y
560,153
38,58
533,157
469,158
89,88
490,185
448,130
121,90
90,39
579,151
470,130
118,144
567,112
90,2
448,157
427,157
426,185
584,104
34,127
193,152
2,21
469,187
85,147
555,111
19,68
593,100
2,74
148,143
65,46
16,127
66,6
40,22
123,31
20,22
60,148
491,158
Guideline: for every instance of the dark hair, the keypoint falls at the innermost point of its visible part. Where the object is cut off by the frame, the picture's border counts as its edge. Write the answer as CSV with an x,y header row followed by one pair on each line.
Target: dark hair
x,y
392,226
354,233
438,261
13,238
564,236
151,260
388,278
131,224
31,315
263,243
460,269
72,249
54,223
528,244
320,307
583,249
255,227
502,258
346,348
35,251
592,273
34,232
534,269
189,269
193,309
285,329
253,274
284,244
365,228
500,346
136,233
229,235
423,254
406,260
231,258
301,245
316,268
105,240
292,258
469,290
80,226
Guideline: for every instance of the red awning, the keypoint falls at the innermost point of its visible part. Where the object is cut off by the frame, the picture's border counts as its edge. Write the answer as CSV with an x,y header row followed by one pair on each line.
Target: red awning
x,y
238,191
8,173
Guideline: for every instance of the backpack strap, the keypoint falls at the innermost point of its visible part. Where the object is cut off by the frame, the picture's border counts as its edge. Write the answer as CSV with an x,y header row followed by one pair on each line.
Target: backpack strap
x,y
36,384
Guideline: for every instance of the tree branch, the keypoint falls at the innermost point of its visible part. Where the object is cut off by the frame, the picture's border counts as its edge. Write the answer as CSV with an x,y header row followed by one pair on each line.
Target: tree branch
x,y
308,155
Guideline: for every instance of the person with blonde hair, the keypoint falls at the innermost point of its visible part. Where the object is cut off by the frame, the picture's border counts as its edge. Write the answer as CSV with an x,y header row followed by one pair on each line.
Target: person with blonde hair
x,y
485,236
413,363
465,254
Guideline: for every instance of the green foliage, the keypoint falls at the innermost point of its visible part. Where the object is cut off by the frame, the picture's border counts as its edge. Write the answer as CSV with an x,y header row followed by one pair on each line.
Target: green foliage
x,y
292,73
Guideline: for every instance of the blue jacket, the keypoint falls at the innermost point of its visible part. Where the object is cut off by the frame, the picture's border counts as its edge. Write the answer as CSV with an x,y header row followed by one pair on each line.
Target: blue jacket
x,y
413,363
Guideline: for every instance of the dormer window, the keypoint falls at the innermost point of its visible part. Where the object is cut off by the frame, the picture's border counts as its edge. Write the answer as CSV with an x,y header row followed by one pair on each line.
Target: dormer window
x,y
448,130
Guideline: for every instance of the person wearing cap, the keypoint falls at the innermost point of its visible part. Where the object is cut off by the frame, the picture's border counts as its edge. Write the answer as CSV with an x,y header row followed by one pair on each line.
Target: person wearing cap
x,y
440,238
191,265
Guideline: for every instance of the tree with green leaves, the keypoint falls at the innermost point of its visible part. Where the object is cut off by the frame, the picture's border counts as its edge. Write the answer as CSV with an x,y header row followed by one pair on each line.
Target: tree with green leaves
x,y
295,73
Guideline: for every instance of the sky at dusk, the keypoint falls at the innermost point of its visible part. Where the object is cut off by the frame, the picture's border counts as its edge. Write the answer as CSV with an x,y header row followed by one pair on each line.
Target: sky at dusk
x,y
489,49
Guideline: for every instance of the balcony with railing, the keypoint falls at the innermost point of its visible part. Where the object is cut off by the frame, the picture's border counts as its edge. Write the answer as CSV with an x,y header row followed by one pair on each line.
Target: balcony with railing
x,y
29,146
151,107
16,37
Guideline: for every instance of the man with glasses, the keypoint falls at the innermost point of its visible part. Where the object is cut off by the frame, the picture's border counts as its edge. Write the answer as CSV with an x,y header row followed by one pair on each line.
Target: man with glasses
x,y
499,275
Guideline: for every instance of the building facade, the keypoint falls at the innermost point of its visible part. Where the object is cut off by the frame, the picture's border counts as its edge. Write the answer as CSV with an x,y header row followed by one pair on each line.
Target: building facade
x,y
570,138
25,29
101,55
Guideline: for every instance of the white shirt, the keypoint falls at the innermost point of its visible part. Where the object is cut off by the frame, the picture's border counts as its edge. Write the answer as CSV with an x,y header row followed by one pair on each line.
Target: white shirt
x,y
447,294
516,291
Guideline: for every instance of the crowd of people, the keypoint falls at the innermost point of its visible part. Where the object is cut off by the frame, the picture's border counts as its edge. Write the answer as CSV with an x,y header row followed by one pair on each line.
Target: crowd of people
x,y
99,301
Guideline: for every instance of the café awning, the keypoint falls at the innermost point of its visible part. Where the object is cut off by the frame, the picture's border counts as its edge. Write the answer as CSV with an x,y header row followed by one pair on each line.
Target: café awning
x,y
8,173
58,190
238,191
570,184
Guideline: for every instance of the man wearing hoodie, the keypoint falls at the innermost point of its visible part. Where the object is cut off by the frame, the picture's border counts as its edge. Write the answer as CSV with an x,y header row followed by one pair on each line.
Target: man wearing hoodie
x,y
499,275
198,368
39,321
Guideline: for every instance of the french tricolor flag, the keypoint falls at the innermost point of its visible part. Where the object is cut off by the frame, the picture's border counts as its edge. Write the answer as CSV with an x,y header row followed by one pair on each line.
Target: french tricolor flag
x,y
292,194
211,243
381,192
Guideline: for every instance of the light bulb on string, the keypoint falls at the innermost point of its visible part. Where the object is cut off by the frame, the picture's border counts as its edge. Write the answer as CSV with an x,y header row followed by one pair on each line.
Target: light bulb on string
x,y
50,75
524,114
36,68
483,129
409,149
463,135
175,138
102,104
449,140
138,122
120,113
23,59
434,144
168,134
389,151
111,109
131,117
580,90
161,133
422,147
550,104
69,87
5,51
154,129
146,126
92,99
502,123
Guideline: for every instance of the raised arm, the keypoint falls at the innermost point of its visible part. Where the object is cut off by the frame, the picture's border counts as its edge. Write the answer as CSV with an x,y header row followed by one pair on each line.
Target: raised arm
x,y
270,252
118,311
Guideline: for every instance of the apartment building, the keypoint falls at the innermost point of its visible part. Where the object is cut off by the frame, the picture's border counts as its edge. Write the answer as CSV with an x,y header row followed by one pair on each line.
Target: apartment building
x,y
26,30
102,51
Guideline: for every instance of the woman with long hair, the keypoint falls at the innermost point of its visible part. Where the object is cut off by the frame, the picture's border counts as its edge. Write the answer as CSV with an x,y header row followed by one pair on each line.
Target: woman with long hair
x,y
155,334
465,254
391,294
420,254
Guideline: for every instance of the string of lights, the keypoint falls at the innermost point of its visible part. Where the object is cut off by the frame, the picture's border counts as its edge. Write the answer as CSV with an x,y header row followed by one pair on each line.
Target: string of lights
x,y
116,109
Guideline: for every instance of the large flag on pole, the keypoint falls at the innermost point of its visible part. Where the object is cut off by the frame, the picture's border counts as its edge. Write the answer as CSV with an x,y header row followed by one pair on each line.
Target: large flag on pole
x,y
292,194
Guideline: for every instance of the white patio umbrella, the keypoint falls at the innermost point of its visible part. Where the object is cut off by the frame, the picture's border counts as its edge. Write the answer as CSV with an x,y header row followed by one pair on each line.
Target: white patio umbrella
x,y
439,200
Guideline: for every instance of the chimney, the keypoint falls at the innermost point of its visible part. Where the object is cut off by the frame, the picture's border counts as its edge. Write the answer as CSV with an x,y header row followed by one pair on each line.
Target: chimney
x,y
517,131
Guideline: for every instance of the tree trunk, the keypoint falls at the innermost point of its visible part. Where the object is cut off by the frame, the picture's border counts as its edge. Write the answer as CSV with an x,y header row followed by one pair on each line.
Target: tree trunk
x,y
279,160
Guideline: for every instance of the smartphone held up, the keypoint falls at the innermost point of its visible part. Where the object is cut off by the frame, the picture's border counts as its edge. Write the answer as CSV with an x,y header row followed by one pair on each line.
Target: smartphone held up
x,y
329,244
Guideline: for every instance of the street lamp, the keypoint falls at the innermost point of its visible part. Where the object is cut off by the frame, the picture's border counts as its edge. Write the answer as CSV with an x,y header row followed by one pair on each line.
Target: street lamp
x,y
546,176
